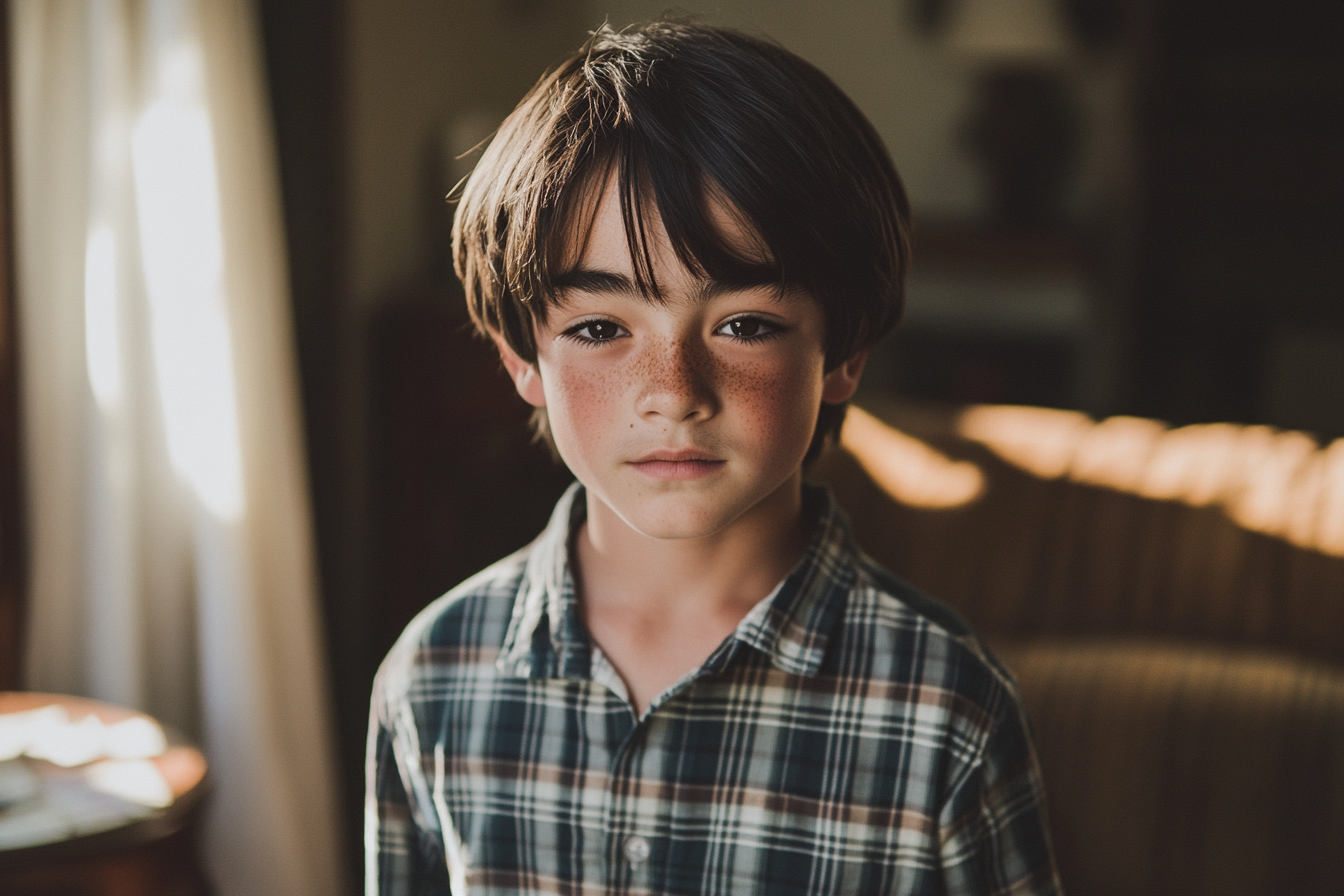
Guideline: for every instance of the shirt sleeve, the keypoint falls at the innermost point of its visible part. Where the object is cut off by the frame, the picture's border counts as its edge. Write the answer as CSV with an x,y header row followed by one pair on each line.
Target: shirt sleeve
x,y
995,841
400,858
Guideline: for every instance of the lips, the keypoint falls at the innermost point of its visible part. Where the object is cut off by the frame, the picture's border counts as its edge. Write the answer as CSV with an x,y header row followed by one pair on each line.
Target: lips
x,y
687,464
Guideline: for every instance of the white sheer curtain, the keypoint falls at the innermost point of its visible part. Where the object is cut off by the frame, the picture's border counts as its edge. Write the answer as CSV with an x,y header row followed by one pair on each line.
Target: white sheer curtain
x,y
171,560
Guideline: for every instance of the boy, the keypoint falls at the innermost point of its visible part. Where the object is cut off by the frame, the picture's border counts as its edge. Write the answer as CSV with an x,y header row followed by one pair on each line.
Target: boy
x,y
682,243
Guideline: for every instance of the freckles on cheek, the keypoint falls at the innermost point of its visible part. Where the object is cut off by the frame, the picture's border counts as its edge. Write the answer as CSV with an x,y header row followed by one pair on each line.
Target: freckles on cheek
x,y
583,399
771,396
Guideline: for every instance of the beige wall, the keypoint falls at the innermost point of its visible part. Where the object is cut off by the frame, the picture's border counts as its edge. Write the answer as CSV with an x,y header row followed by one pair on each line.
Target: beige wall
x,y
913,93
414,67
419,70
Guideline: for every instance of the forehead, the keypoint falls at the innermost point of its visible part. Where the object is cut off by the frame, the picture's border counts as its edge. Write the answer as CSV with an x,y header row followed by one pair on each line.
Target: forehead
x,y
612,223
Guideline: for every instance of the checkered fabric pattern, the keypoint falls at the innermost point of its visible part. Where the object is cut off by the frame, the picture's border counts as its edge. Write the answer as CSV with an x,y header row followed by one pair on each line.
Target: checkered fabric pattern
x,y
851,736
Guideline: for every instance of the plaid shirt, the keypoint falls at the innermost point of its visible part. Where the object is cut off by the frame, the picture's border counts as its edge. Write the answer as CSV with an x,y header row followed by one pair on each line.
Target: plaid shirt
x,y
851,736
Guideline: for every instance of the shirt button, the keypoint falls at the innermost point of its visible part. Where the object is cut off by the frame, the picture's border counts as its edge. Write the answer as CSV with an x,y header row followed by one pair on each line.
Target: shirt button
x,y
637,850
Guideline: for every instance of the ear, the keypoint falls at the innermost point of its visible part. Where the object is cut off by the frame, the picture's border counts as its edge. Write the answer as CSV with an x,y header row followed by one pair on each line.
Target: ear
x,y
841,382
526,378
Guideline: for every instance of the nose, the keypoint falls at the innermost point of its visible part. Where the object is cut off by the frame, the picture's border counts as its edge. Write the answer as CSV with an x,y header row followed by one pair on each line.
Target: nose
x,y
676,382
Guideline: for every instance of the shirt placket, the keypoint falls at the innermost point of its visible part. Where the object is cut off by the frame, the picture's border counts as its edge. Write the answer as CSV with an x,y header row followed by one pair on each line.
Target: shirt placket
x,y
636,847
631,840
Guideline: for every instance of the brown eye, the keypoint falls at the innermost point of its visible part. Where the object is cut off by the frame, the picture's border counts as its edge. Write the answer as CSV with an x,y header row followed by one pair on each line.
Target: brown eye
x,y
745,327
749,328
599,330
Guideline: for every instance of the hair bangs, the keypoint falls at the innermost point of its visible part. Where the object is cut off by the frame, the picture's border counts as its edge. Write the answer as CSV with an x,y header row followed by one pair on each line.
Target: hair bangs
x,y
709,235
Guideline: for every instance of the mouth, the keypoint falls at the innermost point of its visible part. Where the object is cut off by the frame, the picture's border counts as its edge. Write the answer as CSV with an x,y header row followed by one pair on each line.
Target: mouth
x,y
689,464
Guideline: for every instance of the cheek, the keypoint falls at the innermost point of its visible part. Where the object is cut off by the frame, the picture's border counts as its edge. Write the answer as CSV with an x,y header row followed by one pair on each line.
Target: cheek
x,y
776,400
580,401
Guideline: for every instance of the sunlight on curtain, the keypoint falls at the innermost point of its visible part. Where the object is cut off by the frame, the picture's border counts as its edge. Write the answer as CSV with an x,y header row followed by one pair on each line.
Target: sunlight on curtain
x,y
100,319
177,198
171,551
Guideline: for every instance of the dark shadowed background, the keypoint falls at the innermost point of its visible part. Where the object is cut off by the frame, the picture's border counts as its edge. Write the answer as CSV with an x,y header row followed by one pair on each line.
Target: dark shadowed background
x,y
1140,212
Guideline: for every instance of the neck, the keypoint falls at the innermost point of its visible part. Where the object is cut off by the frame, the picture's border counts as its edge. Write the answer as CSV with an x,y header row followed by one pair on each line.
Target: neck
x,y
727,572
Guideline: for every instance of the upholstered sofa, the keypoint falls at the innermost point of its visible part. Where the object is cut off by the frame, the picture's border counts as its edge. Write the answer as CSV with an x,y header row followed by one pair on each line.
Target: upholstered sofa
x,y
1171,602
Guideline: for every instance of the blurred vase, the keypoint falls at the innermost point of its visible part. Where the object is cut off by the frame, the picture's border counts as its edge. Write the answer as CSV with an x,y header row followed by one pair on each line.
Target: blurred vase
x,y
1023,132
1023,128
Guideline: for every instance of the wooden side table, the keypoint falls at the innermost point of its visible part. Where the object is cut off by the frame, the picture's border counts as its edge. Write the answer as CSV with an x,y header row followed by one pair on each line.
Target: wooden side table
x,y
151,855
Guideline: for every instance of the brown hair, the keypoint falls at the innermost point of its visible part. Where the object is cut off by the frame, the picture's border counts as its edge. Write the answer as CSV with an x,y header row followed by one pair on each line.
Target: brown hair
x,y
684,113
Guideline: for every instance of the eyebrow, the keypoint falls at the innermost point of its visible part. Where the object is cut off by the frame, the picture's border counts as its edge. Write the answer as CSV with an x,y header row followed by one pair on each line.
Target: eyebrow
x,y
615,283
585,280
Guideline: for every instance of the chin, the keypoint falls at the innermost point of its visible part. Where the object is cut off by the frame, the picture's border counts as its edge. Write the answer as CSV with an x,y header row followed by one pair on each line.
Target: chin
x,y
680,517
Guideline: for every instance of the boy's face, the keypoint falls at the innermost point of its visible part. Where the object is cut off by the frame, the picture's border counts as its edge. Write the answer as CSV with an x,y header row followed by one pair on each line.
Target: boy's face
x,y
678,416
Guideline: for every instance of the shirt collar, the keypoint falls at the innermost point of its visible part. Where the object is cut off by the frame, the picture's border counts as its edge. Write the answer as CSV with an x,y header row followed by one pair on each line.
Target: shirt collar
x,y
546,638
792,625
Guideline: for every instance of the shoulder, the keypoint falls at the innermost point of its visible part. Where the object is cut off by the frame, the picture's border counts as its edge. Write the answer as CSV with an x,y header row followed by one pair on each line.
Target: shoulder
x,y
891,637
966,705
462,629
923,646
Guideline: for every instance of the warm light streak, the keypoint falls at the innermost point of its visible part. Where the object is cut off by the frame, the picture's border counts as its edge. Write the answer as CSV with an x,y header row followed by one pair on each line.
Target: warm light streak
x,y
1039,440
101,350
1114,453
1191,464
178,204
1330,525
909,470
1276,483
1263,497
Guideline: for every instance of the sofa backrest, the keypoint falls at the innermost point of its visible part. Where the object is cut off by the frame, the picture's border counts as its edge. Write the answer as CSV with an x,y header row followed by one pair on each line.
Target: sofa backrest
x,y
1171,602
1218,533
